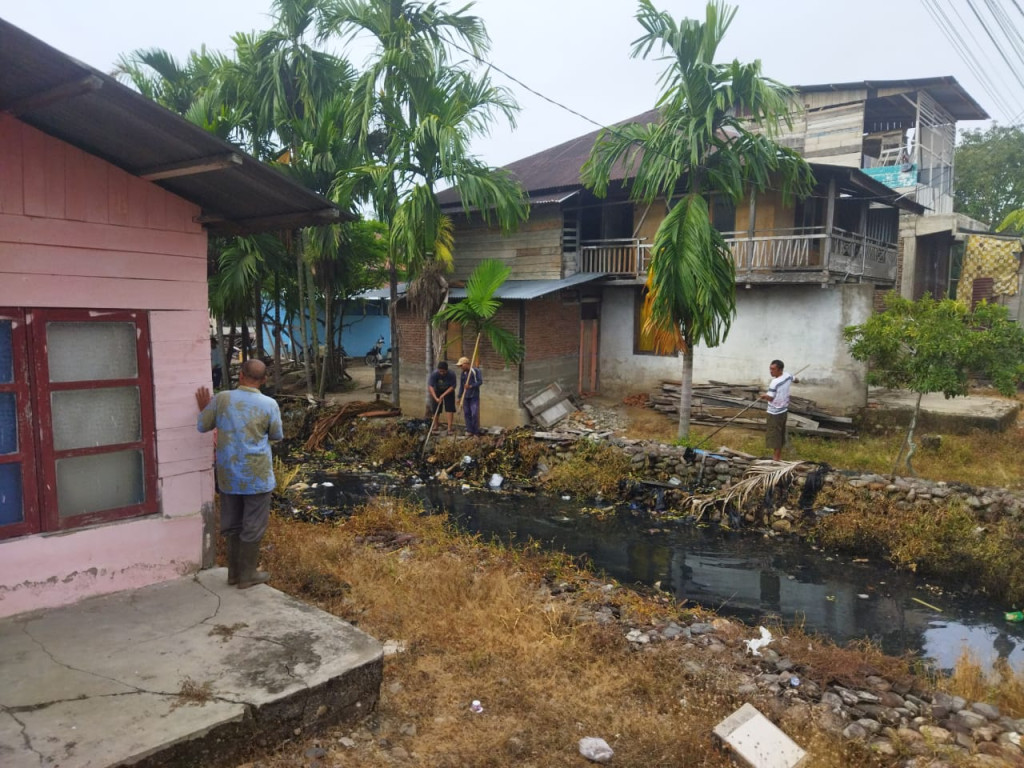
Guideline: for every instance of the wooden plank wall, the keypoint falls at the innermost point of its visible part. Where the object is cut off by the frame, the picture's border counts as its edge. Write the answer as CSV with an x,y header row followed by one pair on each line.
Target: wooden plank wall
x,y
836,135
534,251
828,127
78,232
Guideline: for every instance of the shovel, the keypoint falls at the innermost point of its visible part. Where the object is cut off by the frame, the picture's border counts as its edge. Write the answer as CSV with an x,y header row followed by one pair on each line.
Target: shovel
x,y
433,421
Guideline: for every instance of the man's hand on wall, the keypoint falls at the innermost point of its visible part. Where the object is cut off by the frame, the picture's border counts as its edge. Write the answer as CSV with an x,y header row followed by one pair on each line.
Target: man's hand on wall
x,y
203,397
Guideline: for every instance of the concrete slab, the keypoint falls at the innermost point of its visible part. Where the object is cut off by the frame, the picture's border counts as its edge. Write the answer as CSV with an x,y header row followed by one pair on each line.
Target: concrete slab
x,y
184,673
758,741
956,415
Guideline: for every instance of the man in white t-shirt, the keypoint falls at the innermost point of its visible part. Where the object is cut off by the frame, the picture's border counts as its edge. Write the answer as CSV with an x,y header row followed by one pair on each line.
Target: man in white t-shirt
x,y
777,398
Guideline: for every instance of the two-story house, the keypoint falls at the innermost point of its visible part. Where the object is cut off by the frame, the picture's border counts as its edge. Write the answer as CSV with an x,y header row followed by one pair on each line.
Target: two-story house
x,y
804,269
903,134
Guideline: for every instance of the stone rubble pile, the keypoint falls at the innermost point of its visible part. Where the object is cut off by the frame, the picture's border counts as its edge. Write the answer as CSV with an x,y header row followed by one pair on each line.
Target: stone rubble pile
x,y
892,718
721,468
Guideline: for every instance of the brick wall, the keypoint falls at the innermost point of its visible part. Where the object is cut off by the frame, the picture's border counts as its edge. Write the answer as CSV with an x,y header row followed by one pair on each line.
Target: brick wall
x,y
552,329
499,403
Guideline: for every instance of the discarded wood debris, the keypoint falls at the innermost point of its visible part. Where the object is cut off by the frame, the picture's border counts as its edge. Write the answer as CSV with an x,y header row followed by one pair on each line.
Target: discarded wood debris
x,y
333,417
718,402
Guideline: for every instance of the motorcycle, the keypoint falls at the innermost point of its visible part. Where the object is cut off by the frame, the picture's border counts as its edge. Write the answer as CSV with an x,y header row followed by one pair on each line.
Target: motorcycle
x,y
374,356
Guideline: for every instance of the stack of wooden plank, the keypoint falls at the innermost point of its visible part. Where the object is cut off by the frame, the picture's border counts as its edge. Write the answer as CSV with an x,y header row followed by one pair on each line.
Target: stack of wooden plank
x,y
716,403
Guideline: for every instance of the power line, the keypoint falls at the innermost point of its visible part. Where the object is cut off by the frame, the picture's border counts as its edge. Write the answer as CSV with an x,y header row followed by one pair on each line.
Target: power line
x,y
998,48
997,91
964,51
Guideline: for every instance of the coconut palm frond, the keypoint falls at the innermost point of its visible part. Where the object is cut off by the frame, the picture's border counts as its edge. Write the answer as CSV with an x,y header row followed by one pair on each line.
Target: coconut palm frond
x,y
760,477
699,505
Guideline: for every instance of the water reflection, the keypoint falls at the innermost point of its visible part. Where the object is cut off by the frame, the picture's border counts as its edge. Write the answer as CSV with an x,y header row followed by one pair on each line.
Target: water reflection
x,y
748,577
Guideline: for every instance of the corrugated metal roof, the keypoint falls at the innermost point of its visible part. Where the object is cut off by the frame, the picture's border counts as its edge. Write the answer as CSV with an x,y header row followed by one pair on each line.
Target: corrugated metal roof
x,y
945,90
88,109
541,198
558,168
375,294
856,183
532,289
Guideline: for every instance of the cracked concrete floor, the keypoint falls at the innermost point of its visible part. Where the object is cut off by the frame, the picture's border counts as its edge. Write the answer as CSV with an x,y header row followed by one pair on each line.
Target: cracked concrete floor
x,y
116,679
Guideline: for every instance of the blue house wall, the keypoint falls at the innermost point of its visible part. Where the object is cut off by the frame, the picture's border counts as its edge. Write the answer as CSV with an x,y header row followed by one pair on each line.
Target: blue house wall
x,y
364,323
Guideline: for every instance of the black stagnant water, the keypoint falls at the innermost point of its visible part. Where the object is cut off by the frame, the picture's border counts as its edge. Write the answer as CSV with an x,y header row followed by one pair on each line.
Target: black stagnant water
x,y
742,575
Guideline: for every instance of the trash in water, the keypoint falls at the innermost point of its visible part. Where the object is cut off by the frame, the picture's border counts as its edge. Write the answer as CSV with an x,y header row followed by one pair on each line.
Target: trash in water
x,y
595,749
754,645
327,484
1014,615
566,498
675,482
862,596
794,681
467,460
496,481
476,706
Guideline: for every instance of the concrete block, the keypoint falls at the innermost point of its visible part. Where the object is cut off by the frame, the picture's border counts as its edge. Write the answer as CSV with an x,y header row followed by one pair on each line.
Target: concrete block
x,y
758,741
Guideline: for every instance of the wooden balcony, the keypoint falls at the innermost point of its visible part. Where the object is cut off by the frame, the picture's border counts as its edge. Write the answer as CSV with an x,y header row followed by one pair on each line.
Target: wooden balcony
x,y
807,255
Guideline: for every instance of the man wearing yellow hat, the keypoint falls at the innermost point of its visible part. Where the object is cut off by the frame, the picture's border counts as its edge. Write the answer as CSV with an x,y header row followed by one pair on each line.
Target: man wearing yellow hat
x,y
469,391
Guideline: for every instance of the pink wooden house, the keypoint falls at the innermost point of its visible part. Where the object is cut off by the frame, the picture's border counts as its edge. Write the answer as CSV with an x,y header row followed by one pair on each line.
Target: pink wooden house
x,y
106,202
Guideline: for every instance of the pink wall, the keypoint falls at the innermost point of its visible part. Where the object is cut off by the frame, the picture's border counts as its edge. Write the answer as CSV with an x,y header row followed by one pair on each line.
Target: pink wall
x,y
78,232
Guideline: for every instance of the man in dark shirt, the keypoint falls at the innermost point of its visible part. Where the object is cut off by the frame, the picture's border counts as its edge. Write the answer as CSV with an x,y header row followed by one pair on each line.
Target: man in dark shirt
x,y
441,385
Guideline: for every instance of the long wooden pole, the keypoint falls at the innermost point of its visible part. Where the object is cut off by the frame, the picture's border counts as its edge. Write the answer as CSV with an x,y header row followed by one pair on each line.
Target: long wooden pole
x,y
472,371
731,420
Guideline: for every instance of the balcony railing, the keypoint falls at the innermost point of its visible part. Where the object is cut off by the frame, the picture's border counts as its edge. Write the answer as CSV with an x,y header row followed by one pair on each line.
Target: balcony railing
x,y
621,257
791,255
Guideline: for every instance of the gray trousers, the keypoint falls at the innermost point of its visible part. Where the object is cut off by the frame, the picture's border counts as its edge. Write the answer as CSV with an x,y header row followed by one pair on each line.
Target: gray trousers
x,y
246,515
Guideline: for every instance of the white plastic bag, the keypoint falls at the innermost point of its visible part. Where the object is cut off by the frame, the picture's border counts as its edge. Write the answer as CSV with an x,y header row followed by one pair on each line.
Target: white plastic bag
x,y
754,645
595,749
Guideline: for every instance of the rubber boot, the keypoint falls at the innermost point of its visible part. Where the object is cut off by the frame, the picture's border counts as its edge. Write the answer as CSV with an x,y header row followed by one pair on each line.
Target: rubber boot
x,y
248,560
232,541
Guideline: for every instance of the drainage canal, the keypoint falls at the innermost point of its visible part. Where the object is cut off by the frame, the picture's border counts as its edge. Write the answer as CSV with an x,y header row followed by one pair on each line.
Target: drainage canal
x,y
742,575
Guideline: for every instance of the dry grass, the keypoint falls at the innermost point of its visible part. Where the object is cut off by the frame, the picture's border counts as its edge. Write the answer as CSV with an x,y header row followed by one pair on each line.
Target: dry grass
x,y
945,541
980,458
193,694
477,624
593,469
1002,687
284,475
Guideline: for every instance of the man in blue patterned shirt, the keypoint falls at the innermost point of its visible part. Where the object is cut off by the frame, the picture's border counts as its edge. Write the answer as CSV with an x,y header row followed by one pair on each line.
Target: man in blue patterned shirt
x,y
246,421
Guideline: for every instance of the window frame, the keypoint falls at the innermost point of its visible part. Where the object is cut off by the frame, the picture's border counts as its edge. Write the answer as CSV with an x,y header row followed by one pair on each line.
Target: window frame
x,y
26,453
40,464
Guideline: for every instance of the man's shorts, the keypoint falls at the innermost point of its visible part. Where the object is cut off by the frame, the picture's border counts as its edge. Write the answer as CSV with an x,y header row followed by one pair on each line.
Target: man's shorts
x,y
775,434
449,402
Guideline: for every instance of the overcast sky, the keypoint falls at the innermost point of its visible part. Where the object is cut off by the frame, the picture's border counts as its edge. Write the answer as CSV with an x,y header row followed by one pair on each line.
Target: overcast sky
x,y
576,52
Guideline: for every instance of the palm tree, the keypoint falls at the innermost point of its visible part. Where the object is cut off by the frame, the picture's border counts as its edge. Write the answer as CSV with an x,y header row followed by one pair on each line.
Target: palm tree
x,y
714,136
477,311
424,109
285,85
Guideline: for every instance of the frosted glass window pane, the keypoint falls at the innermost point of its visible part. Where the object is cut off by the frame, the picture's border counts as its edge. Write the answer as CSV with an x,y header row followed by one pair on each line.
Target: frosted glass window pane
x,y
90,351
6,353
11,510
8,423
94,483
85,418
